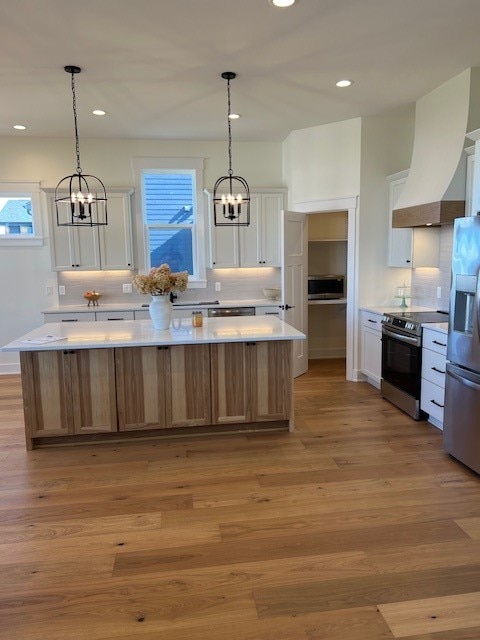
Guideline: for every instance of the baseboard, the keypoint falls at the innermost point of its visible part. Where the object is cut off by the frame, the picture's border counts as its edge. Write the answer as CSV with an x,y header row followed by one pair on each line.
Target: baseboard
x,y
8,369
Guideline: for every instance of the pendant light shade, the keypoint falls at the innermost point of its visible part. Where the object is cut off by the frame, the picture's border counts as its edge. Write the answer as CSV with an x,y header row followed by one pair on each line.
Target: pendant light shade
x,y
231,194
80,199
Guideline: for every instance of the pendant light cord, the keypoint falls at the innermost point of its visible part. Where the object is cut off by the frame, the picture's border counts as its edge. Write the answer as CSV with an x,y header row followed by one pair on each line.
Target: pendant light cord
x,y
77,145
230,172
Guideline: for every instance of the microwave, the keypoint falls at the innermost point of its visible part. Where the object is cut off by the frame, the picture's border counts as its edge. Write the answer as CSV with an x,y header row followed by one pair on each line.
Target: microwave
x,y
326,287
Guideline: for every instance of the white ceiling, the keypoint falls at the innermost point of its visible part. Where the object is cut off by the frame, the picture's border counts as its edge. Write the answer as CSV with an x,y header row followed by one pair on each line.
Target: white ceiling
x,y
155,65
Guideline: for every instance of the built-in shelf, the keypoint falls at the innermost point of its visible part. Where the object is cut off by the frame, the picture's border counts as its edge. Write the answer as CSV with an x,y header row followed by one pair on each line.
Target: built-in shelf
x,y
327,239
336,301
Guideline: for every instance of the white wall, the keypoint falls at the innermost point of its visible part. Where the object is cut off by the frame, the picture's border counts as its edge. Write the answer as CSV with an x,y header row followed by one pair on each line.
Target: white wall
x,y
323,162
26,271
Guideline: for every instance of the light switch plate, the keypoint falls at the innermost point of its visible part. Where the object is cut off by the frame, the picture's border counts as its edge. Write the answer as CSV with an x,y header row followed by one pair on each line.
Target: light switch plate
x,y
218,286
439,292
127,288
61,290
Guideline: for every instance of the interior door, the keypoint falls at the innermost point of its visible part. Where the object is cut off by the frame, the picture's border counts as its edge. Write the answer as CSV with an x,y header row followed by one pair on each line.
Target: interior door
x,y
294,282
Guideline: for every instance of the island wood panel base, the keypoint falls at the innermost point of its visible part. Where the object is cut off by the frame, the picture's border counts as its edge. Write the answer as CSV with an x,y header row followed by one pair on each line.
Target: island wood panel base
x,y
69,394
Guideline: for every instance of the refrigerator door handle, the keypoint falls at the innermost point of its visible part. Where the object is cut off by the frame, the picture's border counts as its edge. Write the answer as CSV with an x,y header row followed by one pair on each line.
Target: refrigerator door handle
x,y
462,380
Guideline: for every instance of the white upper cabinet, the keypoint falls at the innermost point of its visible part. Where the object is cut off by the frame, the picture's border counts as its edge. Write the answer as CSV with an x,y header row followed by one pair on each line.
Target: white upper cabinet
x,y
94,248
410,248
257,245
116,238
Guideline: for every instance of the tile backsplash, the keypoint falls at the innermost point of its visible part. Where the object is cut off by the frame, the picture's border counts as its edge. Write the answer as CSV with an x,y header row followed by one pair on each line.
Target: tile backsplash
x,y
426,280
236,284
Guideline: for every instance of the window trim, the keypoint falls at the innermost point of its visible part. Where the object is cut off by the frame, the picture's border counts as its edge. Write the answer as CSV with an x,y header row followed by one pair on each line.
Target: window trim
x,y
164,165
29,190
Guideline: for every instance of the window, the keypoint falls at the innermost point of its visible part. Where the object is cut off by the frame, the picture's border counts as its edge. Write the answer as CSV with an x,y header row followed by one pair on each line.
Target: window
x,y
20,216
172,214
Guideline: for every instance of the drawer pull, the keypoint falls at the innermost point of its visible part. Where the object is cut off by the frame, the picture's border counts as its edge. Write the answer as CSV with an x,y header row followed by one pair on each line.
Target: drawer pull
x,y
374,321
438,370
272,313
440,344
115,318
69,319
437,404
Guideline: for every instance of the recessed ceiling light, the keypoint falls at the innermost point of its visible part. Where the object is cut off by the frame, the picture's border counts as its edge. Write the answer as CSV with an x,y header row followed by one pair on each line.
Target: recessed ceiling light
x,y
20,127
344,83
282,3
234,116
99,112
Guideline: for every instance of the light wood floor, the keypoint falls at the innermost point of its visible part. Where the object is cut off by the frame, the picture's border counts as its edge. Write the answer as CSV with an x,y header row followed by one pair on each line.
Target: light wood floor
x,y
355,527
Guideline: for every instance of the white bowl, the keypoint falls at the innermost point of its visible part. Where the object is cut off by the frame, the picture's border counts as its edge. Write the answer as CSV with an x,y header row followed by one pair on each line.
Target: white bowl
x,y
272,294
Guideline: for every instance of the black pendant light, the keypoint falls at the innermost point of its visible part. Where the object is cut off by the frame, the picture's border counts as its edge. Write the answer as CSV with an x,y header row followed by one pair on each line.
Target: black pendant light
x,y
80,199
231,195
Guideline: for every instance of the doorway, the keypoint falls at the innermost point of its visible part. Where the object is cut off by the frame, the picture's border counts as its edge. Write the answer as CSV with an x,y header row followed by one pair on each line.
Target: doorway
x,y
349,206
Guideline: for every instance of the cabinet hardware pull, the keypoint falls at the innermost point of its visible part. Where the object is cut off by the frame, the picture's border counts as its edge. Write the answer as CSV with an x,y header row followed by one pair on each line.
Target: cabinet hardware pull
x,y
115,318
440,344
442,406
272,313
374,321
69,319
437,370
408,261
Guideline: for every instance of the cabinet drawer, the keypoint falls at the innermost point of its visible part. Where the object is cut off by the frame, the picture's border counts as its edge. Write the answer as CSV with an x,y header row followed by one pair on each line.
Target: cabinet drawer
x,y
433,367
432,400
88,316
142,314
114,315
372,320
435,340
267,311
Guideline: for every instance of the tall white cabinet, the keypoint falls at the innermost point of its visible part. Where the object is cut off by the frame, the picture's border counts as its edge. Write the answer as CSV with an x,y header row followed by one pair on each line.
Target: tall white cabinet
x,y
257,245
87,248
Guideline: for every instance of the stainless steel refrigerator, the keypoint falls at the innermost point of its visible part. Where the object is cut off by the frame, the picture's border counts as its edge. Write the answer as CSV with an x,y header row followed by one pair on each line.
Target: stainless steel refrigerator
x,y
461,430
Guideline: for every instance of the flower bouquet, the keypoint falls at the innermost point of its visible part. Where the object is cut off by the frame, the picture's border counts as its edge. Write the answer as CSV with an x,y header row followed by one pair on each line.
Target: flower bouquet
x,y
160,281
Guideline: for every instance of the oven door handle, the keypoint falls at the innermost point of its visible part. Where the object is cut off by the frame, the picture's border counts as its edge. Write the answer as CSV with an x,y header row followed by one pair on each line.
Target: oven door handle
x,y
410,339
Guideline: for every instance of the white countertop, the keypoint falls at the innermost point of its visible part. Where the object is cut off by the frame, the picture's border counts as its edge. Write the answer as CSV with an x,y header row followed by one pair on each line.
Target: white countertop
x,y
441,327
139,306
140,333
393,309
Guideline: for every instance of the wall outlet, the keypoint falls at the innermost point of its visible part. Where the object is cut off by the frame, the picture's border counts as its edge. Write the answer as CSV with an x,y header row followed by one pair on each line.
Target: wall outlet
x,y
218,286
49,290
61,290
439,292
127,288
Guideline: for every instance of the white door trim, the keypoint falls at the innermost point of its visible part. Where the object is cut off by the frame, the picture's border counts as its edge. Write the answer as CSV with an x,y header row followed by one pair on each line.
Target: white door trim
x,y
349,204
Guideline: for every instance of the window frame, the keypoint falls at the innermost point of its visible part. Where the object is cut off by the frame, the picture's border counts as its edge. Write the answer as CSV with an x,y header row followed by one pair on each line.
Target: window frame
x,y
29,190
141,166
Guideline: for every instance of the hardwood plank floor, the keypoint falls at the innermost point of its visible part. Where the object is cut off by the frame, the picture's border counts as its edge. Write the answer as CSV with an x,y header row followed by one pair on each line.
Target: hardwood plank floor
x,y
357,526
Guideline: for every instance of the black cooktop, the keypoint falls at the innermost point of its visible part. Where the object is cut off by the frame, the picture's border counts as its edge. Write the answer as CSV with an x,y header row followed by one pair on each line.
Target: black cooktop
x,y
420,316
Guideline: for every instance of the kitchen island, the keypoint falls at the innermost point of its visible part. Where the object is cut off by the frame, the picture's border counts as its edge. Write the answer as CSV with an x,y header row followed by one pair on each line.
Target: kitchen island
x,y
104,381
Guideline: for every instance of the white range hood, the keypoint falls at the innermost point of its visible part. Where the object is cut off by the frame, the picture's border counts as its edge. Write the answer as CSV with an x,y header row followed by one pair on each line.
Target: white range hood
x,y
435,189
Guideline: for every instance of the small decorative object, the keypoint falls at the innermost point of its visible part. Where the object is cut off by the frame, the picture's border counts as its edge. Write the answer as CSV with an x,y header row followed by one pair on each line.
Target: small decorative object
x,y
404,294
92,297
159,282
231,194
197,319
272,294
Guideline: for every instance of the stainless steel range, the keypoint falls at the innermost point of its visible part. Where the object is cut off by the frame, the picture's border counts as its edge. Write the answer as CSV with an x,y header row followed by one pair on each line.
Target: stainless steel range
x,y
402,357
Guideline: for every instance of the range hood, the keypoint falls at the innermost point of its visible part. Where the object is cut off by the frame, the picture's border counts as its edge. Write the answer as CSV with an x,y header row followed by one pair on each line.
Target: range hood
x,y
435,189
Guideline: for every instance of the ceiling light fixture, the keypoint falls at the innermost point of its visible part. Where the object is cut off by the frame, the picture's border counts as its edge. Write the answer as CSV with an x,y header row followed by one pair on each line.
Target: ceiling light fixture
x,y
19,127
343,83
99,112
80,199
282,3
231,195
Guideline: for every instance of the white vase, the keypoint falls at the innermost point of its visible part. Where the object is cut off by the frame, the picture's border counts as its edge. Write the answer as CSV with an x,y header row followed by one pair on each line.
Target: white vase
x,y
160,309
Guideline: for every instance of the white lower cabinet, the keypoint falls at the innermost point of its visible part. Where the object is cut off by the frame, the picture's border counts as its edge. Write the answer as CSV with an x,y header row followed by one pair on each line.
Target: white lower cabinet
x,y
268,311
434,358
82,316
372,346
114,315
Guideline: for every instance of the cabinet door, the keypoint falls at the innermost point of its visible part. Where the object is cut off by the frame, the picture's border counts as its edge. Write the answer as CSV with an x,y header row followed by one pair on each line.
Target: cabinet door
x,y
46,384
72,248
223,247
271,378
188,388
92,390
372,355
116,237
251,237
400,241
141,383
272,206
230,383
